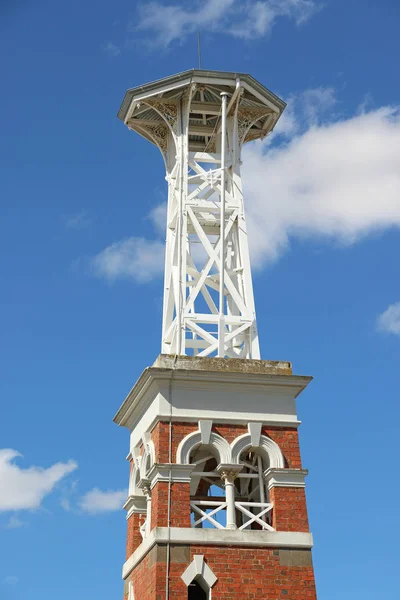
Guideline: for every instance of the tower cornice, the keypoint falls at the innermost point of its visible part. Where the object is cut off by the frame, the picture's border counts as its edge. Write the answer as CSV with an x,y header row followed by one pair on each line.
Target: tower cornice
x,y
191,373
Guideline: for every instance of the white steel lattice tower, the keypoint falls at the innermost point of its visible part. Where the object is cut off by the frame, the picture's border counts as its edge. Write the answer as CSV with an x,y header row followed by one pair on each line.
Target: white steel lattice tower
x,y
200,120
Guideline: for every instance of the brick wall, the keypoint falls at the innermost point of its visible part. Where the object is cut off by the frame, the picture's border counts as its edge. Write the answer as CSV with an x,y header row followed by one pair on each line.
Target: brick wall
x,y
133,537
245,573
290,509
180,505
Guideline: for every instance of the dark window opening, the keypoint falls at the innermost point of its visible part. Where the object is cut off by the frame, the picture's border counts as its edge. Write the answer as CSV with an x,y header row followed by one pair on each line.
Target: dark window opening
x,y
195,592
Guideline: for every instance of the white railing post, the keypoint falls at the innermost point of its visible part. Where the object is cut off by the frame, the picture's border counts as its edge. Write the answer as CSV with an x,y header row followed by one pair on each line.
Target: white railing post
x,y
261,481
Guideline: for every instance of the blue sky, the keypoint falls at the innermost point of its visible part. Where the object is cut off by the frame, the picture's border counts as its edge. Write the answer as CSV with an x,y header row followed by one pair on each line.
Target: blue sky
x,y
81,202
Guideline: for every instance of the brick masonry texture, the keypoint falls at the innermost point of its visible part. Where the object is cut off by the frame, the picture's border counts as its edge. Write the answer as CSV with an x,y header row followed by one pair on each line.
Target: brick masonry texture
x,y
180,505
133,537
243,573
290,509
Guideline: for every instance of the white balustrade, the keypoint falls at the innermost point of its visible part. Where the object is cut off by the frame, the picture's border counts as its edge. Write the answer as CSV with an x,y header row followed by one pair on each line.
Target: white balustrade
x,y
195,504
243,507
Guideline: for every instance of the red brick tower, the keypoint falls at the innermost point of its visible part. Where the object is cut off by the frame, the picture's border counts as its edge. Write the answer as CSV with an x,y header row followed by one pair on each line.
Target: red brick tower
x,y
216,506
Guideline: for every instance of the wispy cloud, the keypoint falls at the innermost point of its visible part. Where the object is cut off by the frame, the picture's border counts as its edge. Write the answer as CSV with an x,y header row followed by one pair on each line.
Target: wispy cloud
x,y
314,106
389,320
310,108
111,49
10,580
97,501
93,502
14,523
68,494
158,216
26,488
133,258
79,220
246,19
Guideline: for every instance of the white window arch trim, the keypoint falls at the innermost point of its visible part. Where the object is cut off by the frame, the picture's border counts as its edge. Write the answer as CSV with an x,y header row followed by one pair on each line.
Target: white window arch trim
x,y
230,454
136,501
134,477
149,454
269,450
195,439
199,571
230,460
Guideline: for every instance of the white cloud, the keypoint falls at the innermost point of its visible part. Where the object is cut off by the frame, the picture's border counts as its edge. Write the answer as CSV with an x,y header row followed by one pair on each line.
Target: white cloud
x,y
245,19
389,320
132,258
340,181
96,501
10,580
26,488
111,49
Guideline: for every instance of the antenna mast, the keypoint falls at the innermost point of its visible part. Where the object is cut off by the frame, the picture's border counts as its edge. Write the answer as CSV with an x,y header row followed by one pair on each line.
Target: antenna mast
x,y
199,49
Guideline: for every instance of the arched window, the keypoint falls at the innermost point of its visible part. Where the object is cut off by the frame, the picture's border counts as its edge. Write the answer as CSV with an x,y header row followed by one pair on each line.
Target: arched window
x,y
230,496
228,489
207,493
251,491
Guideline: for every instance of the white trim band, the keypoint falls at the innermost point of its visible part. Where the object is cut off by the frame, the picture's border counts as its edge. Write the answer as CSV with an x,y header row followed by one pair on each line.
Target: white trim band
x,y
212,537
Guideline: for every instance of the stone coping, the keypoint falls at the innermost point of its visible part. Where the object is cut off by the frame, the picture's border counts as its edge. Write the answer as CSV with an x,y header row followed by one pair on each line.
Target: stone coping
x,y
228,365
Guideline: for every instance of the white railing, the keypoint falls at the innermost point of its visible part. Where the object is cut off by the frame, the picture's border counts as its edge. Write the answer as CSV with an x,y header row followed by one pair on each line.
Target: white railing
x,y
243,507
195,505
255,518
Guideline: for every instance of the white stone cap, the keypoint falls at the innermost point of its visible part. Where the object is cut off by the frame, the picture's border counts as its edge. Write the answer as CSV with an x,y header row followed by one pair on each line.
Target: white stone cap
x,y
135,504
198,569
229,469
170,472
285,477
